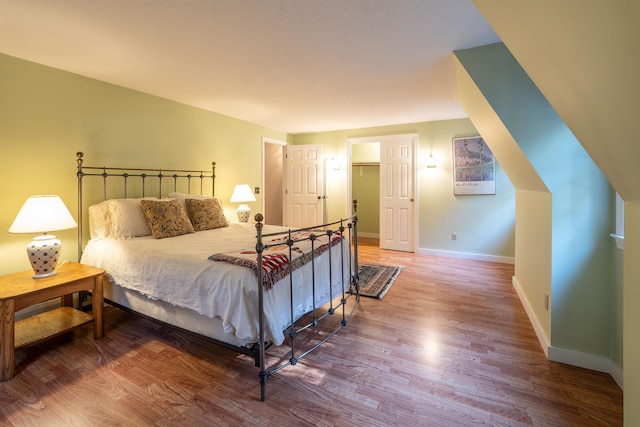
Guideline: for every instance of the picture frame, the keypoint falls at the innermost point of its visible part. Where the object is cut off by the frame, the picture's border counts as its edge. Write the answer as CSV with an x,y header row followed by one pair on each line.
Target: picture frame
x,y
474,167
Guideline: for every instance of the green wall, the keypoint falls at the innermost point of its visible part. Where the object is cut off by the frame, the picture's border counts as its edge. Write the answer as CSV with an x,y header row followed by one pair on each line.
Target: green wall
x,y
582,201
485,224
47,115
365,187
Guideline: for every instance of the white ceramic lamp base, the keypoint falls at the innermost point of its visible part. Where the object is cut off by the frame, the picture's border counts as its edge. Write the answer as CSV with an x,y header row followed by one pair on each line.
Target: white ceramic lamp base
x,y
243,213
44,252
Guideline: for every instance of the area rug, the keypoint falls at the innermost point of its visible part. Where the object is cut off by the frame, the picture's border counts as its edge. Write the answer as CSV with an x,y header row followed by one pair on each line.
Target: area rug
x,y
376,280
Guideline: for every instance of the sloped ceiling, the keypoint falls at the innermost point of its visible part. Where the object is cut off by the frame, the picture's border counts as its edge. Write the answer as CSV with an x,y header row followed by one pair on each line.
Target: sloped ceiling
x,y
583,56
295,66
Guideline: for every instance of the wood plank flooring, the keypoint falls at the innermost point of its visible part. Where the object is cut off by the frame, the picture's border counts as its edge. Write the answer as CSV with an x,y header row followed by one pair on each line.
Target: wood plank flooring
x,y
449,345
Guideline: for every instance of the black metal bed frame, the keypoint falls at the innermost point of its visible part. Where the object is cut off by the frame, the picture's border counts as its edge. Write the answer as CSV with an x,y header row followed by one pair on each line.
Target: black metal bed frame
x,y
142,173
298,325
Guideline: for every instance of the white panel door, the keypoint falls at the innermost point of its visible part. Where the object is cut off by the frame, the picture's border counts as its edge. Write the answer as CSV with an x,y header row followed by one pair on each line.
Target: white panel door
x,y
396,194
305,186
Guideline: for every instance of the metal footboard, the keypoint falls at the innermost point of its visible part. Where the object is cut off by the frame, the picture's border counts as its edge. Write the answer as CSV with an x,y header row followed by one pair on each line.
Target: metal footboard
x,y
348,290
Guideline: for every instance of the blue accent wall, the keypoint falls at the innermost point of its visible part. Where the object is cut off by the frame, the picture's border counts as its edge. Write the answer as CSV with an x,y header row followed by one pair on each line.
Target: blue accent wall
x,y
582,214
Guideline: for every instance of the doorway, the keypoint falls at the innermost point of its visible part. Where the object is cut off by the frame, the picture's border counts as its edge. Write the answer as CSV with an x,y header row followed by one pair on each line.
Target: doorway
x,y
365,187
273,160
397,196
292,184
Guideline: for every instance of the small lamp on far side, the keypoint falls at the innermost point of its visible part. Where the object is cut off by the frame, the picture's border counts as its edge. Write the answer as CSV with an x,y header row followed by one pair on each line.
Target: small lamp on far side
x,y
242,194
42,214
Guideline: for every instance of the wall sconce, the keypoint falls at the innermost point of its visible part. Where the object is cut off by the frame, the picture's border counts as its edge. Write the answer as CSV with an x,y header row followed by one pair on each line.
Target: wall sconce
x,y
431,161
42,214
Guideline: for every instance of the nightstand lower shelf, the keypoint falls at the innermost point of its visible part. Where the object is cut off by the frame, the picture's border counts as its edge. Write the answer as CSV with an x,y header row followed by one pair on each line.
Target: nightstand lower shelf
x,y
49,324
21,290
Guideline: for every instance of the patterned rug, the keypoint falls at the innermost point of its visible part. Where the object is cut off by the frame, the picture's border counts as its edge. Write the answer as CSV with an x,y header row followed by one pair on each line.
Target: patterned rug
x,y
375,280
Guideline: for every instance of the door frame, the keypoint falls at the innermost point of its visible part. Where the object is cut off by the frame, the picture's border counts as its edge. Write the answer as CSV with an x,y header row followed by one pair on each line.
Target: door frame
x,y
283,144
416,189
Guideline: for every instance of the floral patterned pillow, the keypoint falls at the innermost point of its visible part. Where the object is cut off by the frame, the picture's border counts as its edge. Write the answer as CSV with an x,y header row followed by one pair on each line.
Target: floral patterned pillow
x,y
166,218
206,214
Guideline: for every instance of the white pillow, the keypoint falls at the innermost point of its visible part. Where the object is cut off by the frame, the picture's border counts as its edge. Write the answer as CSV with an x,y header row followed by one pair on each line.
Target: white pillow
x,y
128,219
99,220
182,197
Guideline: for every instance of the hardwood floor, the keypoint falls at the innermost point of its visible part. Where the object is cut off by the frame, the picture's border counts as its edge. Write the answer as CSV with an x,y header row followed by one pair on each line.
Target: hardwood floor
x,y
449,345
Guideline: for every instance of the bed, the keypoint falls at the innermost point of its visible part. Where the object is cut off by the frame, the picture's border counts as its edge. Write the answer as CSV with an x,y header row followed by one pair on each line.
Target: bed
x,y
170,254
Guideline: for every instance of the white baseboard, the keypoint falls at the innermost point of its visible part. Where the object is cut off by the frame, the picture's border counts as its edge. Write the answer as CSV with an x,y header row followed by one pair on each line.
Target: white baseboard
x,y
369,235
545,343
587,361
467,255
617,373
580,359
563,355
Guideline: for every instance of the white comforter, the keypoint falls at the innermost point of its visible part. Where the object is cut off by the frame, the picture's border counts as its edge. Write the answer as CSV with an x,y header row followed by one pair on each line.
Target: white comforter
x,y
176,270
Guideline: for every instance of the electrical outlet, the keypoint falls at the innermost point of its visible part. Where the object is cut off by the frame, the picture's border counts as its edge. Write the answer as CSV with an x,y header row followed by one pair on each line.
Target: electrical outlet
x,y
454,235
257,190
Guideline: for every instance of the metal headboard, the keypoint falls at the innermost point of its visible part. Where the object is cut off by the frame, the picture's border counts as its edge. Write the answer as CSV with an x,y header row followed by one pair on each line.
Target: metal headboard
x,y
142,175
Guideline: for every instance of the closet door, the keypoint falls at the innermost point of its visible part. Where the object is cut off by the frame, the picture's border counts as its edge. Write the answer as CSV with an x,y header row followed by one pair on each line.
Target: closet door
x,y
396,194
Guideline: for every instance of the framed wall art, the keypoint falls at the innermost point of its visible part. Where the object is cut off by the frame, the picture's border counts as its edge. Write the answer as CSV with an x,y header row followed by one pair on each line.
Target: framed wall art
x,y
474,167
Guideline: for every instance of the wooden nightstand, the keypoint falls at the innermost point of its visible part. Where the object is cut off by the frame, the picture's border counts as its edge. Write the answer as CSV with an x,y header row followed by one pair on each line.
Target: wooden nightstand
x,y
20,290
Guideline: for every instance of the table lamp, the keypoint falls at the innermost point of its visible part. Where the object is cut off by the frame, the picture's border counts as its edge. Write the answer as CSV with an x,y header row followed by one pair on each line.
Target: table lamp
x,y
242,194
42,214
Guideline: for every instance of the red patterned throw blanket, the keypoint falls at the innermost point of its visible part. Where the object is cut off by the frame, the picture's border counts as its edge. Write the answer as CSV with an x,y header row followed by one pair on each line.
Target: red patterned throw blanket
x,y
275,257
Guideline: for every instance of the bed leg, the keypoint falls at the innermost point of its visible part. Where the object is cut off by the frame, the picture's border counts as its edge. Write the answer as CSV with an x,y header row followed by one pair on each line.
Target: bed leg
x,y
256,356
263,385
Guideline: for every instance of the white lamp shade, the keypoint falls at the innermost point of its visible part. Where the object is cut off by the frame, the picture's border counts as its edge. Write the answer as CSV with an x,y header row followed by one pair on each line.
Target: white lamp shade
x,y
242,194
41,214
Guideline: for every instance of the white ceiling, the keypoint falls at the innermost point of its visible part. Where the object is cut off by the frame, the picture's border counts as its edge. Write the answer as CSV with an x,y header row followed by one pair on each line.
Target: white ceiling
x,y
292,65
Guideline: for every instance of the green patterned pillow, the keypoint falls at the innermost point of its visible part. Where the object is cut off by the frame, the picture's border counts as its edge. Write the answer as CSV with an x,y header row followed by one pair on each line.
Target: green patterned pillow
x,y
206,214
166,218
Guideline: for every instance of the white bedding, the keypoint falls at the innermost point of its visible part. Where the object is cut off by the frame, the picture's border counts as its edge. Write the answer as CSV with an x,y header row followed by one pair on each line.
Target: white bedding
x,y
176,270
